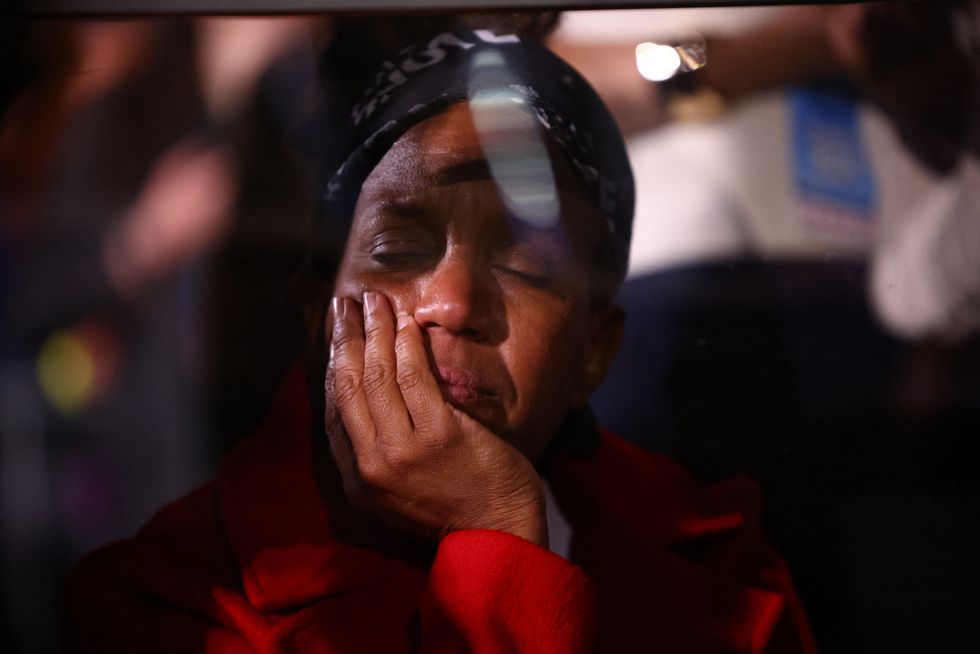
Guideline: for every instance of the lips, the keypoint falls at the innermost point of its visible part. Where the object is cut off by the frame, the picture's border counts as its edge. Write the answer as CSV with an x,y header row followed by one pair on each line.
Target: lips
x,y
461,385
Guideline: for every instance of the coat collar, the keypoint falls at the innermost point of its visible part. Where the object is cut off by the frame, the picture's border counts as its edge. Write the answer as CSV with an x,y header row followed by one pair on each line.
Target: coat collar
x,y
622,489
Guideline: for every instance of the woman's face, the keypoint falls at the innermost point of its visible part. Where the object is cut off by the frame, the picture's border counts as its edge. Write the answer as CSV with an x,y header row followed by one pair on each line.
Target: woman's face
x,y
504,306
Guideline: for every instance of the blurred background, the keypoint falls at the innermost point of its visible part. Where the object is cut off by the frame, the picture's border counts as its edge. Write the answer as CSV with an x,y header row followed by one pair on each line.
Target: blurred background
x,y
803,298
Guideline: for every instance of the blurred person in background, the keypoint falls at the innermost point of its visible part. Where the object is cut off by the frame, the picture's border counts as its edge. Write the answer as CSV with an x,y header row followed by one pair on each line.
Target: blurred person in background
x,y
918,63
125,153
803,289
77,142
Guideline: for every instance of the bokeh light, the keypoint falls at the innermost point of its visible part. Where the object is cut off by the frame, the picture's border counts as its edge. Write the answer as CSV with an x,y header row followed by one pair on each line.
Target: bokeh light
x,y
76,366
66,371
656,62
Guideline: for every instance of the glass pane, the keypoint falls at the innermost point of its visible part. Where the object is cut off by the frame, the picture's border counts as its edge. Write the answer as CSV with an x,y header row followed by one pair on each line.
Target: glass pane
x,y
800,293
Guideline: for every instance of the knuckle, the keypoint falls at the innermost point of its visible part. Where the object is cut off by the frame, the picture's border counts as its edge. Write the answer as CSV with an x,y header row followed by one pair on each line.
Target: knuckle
x,y
410,377
341,339
433,433
405,461
373,328
405,348
373,471
376,377
430,438
346,385
403,344
397,459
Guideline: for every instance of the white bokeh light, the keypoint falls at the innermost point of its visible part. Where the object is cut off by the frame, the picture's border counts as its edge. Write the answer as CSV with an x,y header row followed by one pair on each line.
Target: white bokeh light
x,y
656,62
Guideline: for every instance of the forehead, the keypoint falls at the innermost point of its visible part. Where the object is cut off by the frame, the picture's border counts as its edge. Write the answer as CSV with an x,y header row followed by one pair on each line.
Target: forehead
x,y
532,177
424,151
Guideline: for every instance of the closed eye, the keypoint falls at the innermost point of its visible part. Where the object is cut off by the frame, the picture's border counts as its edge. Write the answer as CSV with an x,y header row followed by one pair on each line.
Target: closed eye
x,y
532,279
399,249
398,259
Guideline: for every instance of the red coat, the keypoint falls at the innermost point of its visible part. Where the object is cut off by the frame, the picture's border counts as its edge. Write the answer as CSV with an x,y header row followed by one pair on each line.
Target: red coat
x,y
253,561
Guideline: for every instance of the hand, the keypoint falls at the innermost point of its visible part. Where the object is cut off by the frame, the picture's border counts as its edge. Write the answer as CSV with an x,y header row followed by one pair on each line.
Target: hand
x,y
403,451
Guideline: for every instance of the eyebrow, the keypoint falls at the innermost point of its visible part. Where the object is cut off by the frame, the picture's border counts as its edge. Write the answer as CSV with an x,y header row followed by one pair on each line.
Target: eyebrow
x,y
401,210
476,170
412,204
471,170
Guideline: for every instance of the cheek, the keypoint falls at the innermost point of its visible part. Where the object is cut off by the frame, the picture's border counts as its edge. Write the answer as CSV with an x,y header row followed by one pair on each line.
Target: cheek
x,y
402,295
544,358
403,298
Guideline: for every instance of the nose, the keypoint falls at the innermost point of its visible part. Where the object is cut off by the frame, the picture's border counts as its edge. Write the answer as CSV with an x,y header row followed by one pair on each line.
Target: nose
x,y
457,298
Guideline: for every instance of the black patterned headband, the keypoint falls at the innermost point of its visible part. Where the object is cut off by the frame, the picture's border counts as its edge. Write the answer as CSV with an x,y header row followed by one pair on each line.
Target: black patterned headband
x,y
504,78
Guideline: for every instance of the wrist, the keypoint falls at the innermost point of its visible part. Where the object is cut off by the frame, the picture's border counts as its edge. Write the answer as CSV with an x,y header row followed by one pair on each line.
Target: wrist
x,y
524,516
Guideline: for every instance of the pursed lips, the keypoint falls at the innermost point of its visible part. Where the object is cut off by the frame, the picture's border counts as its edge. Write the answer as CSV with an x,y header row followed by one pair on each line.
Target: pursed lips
x,y
461,385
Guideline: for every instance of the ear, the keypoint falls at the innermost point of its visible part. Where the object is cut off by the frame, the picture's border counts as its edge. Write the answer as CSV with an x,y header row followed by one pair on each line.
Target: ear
x,y
605,337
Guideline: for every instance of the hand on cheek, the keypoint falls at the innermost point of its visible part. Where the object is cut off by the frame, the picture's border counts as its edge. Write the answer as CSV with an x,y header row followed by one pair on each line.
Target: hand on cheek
x,y
407,454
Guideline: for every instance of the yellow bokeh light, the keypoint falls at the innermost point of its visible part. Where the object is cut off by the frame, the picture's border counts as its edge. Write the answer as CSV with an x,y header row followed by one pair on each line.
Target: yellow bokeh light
x,y
66,372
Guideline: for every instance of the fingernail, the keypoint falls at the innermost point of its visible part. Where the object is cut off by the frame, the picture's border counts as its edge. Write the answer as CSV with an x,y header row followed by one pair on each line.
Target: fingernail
x,y
403,320
370,302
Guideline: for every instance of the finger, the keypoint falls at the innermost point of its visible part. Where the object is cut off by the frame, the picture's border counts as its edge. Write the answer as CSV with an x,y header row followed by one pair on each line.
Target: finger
x,y
340,446
348,373
391,421
418,385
